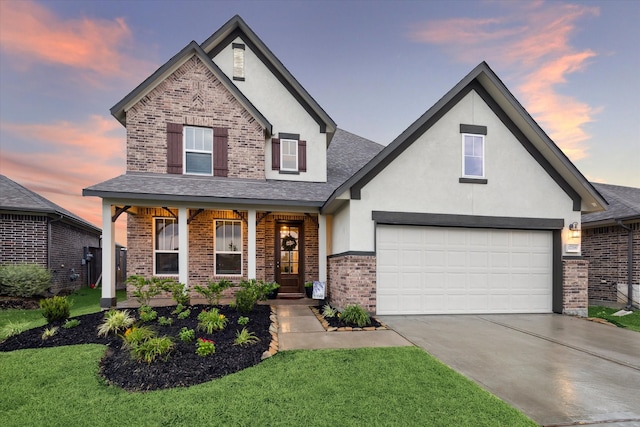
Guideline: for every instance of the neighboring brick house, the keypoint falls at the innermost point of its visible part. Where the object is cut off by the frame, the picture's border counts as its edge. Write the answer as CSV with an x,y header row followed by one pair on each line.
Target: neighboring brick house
x,y
36,230
608,240
234,171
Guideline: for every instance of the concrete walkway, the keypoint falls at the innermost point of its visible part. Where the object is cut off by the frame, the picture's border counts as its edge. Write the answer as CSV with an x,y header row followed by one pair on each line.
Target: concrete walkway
x,y
300,329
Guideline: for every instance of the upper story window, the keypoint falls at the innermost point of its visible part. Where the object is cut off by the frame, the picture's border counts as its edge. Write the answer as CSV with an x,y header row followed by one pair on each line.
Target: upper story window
x,y
165,256
288,154
198,150
473,155
238,61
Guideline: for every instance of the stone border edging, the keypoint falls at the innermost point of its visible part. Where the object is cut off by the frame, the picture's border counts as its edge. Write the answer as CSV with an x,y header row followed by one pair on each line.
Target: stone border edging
x,y
273,330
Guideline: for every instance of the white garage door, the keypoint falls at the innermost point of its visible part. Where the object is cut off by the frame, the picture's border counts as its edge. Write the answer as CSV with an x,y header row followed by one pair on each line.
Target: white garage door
x,y
440,270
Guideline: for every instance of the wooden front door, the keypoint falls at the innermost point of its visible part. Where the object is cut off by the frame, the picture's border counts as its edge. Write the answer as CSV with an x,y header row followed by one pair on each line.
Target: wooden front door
x,y
289,255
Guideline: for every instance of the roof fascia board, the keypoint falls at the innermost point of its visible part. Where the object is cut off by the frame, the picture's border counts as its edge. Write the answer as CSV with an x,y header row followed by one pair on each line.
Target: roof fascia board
x,y
197,199
192,49
51,213
236,27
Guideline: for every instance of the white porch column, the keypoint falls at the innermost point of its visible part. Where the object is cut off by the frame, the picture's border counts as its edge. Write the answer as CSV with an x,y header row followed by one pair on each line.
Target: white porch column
x,y
183,245
251,241
322,248
108,298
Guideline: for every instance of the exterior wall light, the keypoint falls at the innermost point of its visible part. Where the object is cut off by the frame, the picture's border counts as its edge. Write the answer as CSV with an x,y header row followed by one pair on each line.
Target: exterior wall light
x,y
574,227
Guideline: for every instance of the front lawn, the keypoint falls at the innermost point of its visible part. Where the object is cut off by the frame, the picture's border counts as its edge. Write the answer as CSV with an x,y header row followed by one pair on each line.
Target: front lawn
x,y
85,301
377,386
630,321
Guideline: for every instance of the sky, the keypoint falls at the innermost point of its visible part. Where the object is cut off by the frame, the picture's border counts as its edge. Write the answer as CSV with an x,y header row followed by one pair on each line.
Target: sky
x,y
374,66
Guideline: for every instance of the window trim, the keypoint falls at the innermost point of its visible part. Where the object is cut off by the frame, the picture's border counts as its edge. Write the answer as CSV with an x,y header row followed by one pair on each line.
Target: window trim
x,y
184,150
216,252
155,251
282,168
464,156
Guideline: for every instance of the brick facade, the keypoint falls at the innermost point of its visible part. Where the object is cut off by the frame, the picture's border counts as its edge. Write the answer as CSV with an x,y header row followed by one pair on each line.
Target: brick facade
x,y
201,244
25,239
192,95
575,294
606,248
352,279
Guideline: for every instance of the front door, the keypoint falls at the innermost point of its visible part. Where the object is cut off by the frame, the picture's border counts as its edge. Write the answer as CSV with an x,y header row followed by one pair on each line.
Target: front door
x,y
289,253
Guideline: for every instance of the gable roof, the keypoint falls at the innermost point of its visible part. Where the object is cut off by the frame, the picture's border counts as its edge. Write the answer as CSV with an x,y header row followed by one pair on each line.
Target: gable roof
x,y
486,83
192,49
624,205
137,186
18,199
236,27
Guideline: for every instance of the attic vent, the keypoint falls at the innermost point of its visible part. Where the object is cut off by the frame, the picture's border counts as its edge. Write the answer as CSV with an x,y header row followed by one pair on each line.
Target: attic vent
x,y
238,61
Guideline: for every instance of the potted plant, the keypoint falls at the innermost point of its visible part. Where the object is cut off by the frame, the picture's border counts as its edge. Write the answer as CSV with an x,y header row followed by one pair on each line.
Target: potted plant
x,y
308,289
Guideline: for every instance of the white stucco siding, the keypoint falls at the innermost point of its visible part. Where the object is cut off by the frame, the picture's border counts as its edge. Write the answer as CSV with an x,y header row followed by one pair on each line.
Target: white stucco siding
x,y
282,110
340,230
425,178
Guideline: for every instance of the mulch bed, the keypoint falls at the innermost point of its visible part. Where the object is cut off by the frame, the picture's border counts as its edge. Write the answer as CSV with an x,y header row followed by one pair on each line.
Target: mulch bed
x,y
183,368
331,324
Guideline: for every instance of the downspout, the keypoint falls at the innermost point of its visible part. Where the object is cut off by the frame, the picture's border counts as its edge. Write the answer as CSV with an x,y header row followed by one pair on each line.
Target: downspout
x,y
630,267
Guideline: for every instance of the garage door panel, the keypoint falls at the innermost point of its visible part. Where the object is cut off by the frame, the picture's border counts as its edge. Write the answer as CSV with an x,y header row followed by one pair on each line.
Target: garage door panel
x,y
456,270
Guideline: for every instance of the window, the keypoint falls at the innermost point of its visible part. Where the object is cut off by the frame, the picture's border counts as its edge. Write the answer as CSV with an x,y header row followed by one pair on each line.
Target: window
x,y
228,246
198,150
289,155
238,61
166,246
473,155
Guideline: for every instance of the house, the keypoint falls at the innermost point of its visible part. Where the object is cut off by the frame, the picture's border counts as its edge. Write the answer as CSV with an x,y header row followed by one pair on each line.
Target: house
x,y
36,230
234,171
611,244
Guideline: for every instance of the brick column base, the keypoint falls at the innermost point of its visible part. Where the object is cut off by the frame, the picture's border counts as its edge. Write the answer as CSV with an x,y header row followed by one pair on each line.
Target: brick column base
x,y
575,287
352,279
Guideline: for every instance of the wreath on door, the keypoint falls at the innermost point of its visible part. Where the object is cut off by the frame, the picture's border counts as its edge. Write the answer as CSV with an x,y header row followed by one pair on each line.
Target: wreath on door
x,y
289,243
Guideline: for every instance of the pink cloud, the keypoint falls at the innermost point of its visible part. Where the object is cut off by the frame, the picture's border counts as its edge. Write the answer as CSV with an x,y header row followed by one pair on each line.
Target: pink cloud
x,y
58,160
533,42
32,34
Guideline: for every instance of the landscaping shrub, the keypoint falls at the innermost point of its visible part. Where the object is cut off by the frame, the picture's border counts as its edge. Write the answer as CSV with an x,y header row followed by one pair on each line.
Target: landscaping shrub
x,y
144,289
153,348
146,313
71,323
178,291
115,321
49,332
245,337
56,308
212,291
353,313
187,335
205,347
136,335
211,320
24,280
250,292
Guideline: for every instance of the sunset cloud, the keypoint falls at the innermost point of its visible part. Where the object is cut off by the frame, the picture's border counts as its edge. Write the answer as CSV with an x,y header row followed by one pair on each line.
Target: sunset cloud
x,y
31,34
532,41
57,160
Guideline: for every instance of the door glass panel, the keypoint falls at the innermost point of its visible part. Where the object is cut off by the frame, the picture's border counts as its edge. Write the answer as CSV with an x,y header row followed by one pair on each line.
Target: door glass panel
x,y
289,249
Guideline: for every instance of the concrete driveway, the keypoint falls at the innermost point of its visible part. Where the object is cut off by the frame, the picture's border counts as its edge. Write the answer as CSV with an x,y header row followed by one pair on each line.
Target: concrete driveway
x,y
558,370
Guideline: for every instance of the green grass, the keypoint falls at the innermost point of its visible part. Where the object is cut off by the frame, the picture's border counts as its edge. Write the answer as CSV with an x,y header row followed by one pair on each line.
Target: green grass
x,y
630,321
85,301
376,386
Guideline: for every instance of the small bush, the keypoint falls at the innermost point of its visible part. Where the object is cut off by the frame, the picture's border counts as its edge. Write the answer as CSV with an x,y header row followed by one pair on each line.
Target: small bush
x,y
245,337
184,315
355,314
24,280
211,320
328,311
179,309
115,321
165,321
144,289
178,291
250,292
49,332
187,335
205,347
55,309
152,349
13,328
212,291
137,334
147,314
242,320
71,323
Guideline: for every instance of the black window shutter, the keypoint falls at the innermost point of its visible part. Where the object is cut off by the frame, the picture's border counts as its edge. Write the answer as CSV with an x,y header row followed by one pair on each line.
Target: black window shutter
x,y
174,148
220,151
302,156
275,154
